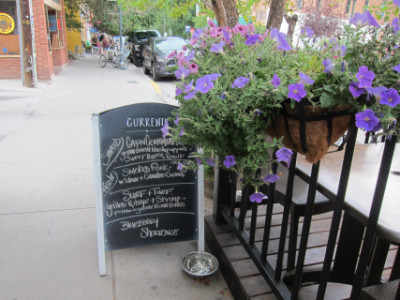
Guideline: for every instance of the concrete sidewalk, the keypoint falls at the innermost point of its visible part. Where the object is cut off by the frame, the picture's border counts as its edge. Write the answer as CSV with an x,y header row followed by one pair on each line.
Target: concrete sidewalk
x,y
48,246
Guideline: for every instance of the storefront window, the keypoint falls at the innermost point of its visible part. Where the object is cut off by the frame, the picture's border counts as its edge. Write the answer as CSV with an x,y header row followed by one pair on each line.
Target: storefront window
x,y
54,29
9,32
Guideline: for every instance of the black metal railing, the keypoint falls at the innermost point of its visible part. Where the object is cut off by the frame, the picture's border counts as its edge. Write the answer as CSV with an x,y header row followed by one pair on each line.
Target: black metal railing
x,y
285,283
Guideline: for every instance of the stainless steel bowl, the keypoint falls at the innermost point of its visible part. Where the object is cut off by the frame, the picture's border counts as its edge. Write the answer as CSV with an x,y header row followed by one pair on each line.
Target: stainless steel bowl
x,y
199,264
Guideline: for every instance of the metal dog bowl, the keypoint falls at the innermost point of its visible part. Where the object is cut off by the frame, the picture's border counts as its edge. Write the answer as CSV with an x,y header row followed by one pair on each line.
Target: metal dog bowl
x,y
199,264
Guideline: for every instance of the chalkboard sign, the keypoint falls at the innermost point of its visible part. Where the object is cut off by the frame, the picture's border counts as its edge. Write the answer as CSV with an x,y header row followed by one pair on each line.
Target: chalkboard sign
x,y
146,199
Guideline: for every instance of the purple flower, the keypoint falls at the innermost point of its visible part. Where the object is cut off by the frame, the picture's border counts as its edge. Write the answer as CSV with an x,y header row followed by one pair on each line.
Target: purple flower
x,y
227,35
189,86
204,84
240,82
218,48
397,68
198,160
181,133
304,78
211,162
180,166
276,81
182,73
229,161
165,129
280,38
272,178
190,95
396,25
178,91
396,2
258,112
365,77
297,91
355,90
366,120
308,31
177,119
257,197
190,56
390,97
284,154
197,33
213,76
223,96
329,65
342,50
252,40
211,23
371,20
377,91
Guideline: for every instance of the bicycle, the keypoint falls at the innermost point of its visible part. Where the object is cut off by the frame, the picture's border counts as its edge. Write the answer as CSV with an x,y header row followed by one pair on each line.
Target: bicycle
x,y
119,60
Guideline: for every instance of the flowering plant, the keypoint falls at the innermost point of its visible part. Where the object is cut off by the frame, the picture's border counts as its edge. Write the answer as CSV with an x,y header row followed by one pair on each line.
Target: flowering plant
x,y
233,82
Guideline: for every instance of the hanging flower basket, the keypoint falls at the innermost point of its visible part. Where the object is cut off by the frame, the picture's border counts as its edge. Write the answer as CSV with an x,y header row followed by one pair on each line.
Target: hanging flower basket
x,y
310,130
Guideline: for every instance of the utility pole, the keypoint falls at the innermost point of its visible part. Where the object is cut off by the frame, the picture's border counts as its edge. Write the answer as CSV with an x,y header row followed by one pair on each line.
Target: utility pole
x,y
26,52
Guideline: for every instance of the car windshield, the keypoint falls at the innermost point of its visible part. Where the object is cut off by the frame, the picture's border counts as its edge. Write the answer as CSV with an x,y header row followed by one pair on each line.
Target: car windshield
x,y
169,45
145,35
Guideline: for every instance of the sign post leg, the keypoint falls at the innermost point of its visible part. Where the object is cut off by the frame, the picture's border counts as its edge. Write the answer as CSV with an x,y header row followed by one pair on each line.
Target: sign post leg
x,y
99,200
200,209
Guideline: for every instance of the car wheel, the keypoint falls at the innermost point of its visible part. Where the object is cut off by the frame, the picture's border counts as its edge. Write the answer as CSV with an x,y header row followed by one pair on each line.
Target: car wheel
x,y
145,70
154,74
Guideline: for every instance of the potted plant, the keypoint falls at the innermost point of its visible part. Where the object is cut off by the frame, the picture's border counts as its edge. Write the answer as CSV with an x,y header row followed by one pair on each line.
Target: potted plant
x,y
234,83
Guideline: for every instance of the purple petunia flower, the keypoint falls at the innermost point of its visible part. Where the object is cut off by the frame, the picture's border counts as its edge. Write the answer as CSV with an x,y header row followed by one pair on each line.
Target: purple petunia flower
x,y
365,77
308,31
342,50
297,91
304,78
190,56
252,39
213,76
198,160
227,35
181,133
180,166
182,73
204,84
390,97
178,91
396,25
396,2
371,20
271,178
366,120
329,65
240,82
223,96
284,154
276,81
280,38
355,90
218,48
189,86
197,33
193,68
190,95
376,91
177,119
229,161
211,162
397,68
165,129
359,19
257,197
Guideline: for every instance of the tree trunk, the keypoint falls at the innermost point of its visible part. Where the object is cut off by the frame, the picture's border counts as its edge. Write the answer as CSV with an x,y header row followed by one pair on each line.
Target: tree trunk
x,y
231,13
275,16
292,20
218,8
26,50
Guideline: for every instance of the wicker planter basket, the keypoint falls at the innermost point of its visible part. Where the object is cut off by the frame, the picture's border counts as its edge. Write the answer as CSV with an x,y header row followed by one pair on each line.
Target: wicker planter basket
x,y
310,130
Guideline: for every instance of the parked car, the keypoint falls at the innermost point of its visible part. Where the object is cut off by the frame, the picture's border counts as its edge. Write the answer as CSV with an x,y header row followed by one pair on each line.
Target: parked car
x,y
137,40
155,54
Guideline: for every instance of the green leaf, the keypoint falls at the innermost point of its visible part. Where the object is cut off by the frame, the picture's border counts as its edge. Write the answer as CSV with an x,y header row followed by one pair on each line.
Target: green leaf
x,y
326,100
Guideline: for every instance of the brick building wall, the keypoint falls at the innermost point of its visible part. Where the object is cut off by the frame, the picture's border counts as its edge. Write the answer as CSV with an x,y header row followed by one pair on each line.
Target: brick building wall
x,y
10,67
45,60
